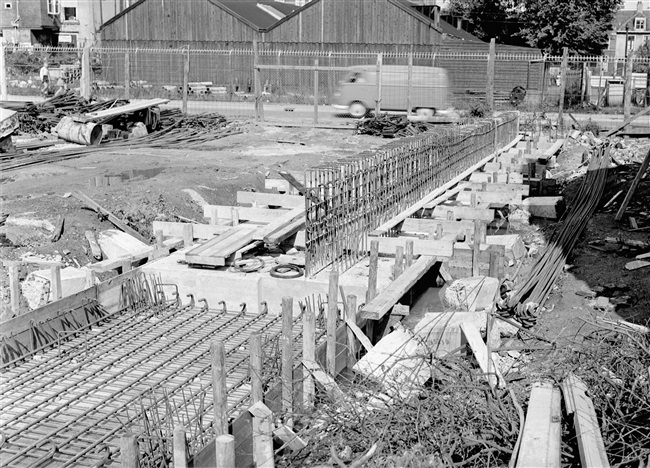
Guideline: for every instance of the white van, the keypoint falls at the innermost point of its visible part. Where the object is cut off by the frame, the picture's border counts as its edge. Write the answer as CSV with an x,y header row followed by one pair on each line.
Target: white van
x,y
357,94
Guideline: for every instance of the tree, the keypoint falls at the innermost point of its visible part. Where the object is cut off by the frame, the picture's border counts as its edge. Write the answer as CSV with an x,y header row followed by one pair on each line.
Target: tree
x,y
580,25
488,19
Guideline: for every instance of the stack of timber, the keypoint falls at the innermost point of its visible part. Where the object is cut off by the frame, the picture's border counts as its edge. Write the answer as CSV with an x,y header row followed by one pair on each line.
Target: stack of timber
x,y
269,218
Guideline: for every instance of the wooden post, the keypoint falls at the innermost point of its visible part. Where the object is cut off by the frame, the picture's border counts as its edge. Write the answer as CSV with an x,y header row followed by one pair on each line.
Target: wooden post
x,y
86,73
262,435
379,69
409,253
409,89
126,265
180,447
14,288
3,70
257,84
129,452
628,86
188,235
309,354
601,65
127,74
55,282
287,354
351,316
234,215
479,236
257,391
186,79
494,264
399,262
332,316
316,92
372,273
635,183
231,75
219,390
563,75
489,90
159,239
90,278
543,85
225,451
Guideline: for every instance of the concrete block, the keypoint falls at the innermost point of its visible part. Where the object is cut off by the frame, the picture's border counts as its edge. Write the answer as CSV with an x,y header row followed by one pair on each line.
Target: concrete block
x,y
38,292
545,207
474,293
116,244
398,363
441,330
515,248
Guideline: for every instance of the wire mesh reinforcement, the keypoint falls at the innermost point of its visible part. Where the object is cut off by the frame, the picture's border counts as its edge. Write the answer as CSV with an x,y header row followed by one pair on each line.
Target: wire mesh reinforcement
x,y
350,198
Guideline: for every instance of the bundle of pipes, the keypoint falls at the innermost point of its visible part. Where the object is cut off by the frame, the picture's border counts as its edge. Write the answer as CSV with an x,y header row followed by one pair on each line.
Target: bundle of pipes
x,y
527,299
391,126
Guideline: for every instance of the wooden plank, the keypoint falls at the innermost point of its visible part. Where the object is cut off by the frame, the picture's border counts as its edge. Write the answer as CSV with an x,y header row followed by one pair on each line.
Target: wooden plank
x,y
635,183
431,227
480,351
553,150
294,181
503,198
590,440
627,122
199,231
540,441
361,336
440,248
271,199
386,299
331,387
278,236
506,188
497,177
289,438
280,223
215,252
115,111
111,217
463,212
115,263
246,213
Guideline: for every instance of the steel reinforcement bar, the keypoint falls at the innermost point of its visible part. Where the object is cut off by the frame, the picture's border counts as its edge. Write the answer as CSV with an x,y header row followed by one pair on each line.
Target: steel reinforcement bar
x,y
350,198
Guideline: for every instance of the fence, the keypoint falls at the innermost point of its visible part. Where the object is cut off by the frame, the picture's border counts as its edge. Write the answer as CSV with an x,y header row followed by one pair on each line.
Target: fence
x,y
246,82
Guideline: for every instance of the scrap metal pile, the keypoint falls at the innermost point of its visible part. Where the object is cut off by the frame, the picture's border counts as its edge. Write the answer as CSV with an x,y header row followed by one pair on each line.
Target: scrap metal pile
x,y
392,126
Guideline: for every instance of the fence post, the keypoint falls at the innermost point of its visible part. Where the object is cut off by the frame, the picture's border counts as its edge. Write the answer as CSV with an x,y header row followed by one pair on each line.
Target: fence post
x,y
86,77
127,75
129,453
378,100
543,86
262,435
316,92
601,64
563,78
219,390
287,354
225,451
489,90
231,75
257,84
55,282
332,316
627,86
3,70
257,391
351,315
308,354
14,288
180,447
409,90
186,79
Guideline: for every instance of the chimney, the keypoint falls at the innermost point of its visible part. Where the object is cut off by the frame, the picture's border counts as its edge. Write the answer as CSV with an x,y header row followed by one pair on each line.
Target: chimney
x,y
459,24
639,7
436,16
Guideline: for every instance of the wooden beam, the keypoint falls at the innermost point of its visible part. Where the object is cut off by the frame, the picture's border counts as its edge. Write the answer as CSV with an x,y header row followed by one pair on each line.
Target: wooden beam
x,y
491,187
590,440
111,217
114,264
503,198
115,111
386,299
246,213
480,351
281,223
441,248
463,212
199,231
540,441
293,181
331,387
627,122
215,251
278,236
431,227
271,199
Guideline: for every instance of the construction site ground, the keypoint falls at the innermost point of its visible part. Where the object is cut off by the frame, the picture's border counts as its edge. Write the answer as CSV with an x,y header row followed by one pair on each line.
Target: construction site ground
x,y
147,185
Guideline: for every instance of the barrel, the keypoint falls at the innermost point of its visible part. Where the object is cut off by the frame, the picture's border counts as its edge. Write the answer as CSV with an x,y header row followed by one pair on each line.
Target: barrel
x,y
88,133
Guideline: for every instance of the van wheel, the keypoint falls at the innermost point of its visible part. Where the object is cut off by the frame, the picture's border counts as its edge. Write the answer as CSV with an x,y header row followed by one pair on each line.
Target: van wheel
x,y
425,112
357,110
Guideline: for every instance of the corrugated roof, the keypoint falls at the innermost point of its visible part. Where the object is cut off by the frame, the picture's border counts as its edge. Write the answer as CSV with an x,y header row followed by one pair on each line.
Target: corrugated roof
x,y
250,11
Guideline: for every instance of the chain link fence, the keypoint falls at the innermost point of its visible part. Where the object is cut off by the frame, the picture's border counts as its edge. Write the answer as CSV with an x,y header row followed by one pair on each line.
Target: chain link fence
x,y
316,86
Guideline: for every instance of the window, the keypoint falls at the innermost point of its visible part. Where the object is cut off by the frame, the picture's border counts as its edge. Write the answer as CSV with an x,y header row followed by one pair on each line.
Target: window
x,y
8,6
630,43
639,24
53,7
69,13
